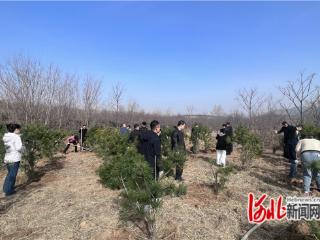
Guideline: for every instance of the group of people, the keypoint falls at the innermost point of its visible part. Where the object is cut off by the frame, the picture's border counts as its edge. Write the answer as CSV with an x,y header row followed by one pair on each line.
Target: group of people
x,y
224,144
14,149
307,148
148,143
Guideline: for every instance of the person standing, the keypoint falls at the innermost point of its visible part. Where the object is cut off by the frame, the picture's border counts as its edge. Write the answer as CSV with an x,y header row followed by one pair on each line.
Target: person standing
x,y
134,135
13,145
83,135
221,147
143,130
178,144
124,130
229,134
151,147
309,151
290,140
143,126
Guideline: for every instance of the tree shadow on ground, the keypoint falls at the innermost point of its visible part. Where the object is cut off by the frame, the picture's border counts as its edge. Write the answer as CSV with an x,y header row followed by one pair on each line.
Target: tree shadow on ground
x,y
207,159
275,177
276,160
53,164
32,184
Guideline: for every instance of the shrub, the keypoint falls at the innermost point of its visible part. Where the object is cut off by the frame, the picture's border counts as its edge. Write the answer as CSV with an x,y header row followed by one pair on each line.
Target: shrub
x,y
173,159
200,132
195,137
205,136
39,142
310,130
251,145
315,228
2,148
166,133
139,205
124,168
107,142
128,169
220,177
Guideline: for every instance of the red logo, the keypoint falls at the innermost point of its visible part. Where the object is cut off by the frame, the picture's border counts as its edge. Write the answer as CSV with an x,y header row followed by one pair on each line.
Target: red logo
x,y
258,213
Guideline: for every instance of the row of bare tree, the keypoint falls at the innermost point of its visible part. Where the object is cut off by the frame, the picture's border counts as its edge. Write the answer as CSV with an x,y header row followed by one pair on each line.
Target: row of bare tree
x,y
300,102
34,93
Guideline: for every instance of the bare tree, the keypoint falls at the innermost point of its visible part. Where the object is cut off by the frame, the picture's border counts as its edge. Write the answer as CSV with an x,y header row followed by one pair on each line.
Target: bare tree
x,y
190,110
251,102
66,100
52,77
301,95
132,110
315,109
91,94
22,84
116,99
217,110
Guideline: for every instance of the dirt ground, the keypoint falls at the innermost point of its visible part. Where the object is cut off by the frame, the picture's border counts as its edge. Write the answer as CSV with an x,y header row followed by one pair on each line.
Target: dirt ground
x,y
68,202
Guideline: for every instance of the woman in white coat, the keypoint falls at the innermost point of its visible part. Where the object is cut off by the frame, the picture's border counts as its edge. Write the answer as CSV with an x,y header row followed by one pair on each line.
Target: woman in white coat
x,y
12,158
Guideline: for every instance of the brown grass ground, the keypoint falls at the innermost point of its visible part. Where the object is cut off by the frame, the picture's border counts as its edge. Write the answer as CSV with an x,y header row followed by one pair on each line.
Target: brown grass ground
x,y
68,202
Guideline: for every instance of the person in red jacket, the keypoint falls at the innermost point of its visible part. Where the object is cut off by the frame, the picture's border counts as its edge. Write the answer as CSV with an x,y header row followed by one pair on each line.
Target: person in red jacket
x,y
74,139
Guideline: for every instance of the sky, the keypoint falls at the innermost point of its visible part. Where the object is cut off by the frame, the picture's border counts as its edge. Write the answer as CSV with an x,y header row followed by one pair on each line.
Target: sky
x,y
169,55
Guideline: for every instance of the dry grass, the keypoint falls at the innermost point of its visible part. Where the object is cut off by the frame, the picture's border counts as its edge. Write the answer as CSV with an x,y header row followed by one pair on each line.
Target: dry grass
x,y
68,202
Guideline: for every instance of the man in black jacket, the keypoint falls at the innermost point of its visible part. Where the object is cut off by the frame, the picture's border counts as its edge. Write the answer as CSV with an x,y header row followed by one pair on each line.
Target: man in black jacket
x,y
178,144
143,126
290,140
134,135
143,132
151,147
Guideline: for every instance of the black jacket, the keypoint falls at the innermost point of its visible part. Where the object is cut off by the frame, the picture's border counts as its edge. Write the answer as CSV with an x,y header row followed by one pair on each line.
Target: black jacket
x,y
134,136
289,134
221,142
177,140
151,148
229,131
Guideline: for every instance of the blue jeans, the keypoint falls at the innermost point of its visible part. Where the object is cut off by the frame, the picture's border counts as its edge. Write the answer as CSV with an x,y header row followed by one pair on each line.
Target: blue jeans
x,y
10,181
308,158
291,148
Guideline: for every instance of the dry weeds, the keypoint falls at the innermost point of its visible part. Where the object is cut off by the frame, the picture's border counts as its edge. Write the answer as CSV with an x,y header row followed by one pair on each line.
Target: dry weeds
x,y
68,202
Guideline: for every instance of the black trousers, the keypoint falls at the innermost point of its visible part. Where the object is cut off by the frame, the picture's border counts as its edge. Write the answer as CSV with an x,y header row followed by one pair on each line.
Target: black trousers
x,y
67,147
229,148
154,168
179,171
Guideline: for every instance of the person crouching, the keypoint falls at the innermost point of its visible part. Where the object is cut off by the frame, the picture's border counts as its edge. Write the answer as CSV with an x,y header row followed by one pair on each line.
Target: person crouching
x,y
74,139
